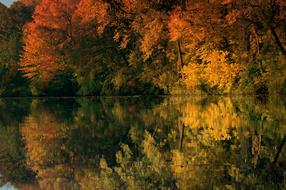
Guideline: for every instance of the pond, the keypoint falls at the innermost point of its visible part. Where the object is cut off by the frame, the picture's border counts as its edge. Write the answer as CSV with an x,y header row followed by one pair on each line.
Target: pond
x,y
143,143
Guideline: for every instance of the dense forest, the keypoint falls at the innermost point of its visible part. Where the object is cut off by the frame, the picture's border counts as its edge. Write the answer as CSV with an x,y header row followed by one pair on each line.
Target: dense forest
x,y
130,47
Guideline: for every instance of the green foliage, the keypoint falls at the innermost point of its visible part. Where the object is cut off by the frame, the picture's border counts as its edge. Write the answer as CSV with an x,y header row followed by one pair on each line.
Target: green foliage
x,y
62,84
12,81
283,89
265,77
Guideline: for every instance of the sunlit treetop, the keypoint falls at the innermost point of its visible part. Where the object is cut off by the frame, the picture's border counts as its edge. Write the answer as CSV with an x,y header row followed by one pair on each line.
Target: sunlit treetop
x,y
94,12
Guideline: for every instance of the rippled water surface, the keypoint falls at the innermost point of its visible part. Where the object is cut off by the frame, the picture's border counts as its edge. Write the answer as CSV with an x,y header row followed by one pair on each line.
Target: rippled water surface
x,y
143,143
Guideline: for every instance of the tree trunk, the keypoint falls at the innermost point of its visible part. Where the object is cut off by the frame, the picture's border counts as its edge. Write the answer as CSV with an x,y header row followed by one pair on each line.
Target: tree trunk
x,y
182,137
180,56
277,41
280,148
183,4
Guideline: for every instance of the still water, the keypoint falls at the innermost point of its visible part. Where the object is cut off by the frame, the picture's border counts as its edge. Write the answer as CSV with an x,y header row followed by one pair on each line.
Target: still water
x,y
143,143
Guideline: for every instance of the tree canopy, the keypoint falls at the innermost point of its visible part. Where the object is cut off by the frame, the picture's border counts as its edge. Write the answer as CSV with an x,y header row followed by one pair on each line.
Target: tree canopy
x,y
97,47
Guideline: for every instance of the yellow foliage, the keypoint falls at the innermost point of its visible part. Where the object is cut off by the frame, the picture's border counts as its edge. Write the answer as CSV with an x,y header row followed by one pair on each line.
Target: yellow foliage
x,y
215,71
152,153
216,120
192,74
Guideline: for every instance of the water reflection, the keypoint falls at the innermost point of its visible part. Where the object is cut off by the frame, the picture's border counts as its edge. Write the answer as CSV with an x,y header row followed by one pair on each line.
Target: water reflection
x,y
143,143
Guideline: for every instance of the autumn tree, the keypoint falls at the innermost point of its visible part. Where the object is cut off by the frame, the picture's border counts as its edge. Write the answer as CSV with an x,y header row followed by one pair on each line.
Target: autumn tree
x,y
46,38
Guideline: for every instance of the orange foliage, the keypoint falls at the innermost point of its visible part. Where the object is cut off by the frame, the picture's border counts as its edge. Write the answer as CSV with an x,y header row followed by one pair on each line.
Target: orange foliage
x,y
41,136
94,11
39,56
55,14
153,32
57,23
53,25
177,26
134,6
30,2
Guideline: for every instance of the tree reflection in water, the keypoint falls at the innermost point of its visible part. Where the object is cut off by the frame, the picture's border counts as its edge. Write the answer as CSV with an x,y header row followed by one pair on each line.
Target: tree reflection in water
x,y
143,143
